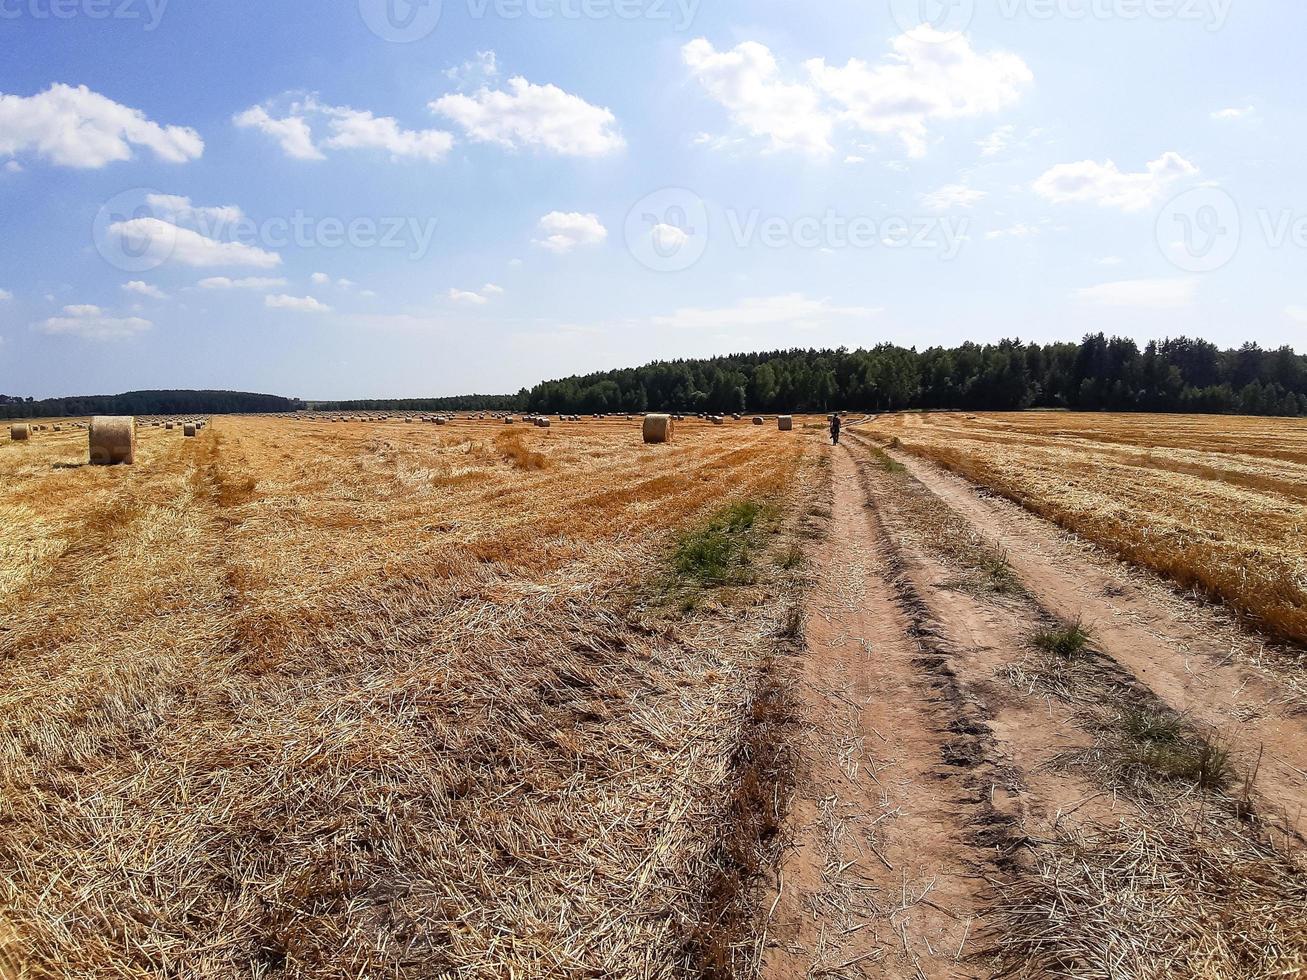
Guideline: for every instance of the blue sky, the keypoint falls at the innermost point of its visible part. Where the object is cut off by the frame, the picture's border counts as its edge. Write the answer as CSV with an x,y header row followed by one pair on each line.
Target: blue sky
x,y
347,200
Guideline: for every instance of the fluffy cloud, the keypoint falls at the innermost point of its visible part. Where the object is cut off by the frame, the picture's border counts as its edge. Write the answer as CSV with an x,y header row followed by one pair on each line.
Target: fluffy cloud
x,y
297,304
5,295
253,282
1142,294
746,82
789,309
926,77
952,196
562,232
161,241
292,133
463,296
479,298
1234,113
1106,185
540,117
144,289
348,129
75,127
91,323
174,207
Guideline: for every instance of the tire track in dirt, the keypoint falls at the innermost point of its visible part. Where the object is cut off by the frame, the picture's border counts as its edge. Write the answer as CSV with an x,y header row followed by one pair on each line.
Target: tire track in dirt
x,y
883,878
1183,653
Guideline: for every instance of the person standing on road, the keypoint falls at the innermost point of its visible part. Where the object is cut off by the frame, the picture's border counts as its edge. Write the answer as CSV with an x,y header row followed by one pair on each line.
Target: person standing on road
x,y
835,429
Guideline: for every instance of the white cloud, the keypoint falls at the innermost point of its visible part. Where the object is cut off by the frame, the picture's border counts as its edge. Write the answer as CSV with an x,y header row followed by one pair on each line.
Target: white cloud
x,y
5,295
952,196
463,296
1018,230
535,116
926,77
565,231
174,207
160,242
292,133
253,282
75,127
299,304
349,129
1142,294
790,309
320,278
144,289
746,82
13,167
997,141
476,72
1233,113
929,76
90,322
1111,260
1107,185
490,289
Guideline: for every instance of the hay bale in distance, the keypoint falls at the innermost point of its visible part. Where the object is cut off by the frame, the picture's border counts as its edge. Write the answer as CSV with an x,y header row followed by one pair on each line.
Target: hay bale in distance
x,y
20,433
113,440
658,428
189,430
168,425
785,422
758,420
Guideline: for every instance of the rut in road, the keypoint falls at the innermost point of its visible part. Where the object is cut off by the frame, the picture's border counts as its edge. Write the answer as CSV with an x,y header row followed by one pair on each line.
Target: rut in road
x,y
1188,655
892,810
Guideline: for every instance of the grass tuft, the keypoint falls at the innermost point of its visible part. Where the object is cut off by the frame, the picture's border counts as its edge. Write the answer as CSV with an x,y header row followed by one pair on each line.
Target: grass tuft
x,y
1065,641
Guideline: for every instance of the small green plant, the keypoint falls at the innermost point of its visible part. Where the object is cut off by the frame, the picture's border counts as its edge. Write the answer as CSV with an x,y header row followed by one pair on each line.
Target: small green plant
x,y
886,462
791,558
721,552
1148,725
1065,641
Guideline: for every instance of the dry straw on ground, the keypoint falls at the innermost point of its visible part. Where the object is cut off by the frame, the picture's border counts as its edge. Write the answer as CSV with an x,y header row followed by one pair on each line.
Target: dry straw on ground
x,y
358,700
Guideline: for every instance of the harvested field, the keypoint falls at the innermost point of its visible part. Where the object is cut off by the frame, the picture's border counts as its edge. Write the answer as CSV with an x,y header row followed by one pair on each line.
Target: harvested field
x,y
347,700
1214,503
300,697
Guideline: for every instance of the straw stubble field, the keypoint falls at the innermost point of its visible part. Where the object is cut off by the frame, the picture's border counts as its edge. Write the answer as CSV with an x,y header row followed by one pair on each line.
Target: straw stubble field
x,y
357,699
364,700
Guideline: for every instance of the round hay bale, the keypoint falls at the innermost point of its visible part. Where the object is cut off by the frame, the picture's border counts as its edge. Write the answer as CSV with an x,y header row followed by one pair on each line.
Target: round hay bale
x,y
20,433
785,422
542,423
168,425
508,420
717,420
658,428
113,440
758,420
442,421
189,430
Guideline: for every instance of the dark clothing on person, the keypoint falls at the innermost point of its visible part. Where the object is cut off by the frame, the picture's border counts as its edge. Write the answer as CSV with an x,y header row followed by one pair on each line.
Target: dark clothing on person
x,y
835,430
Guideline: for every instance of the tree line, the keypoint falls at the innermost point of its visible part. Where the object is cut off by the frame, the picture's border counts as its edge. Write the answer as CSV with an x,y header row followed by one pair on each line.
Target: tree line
x,y
1098,374
146,403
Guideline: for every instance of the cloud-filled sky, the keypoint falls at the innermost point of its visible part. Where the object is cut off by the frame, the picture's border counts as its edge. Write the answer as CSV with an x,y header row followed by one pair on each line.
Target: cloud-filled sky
x,y
378,197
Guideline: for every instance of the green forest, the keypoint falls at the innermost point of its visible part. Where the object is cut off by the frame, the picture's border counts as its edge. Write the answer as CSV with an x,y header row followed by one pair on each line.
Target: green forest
x,y
145,403
1098,374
